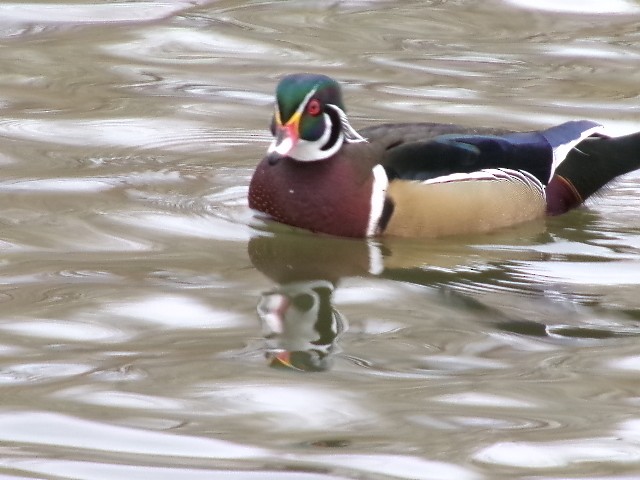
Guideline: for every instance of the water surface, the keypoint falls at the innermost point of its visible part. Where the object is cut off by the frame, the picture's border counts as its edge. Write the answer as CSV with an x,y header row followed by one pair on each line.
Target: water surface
x,y
133,275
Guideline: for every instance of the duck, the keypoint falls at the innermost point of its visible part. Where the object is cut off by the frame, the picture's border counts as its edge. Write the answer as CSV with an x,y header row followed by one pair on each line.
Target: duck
x,y
421,179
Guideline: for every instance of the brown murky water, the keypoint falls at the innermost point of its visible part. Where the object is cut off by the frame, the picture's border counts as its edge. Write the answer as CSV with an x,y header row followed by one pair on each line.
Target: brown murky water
x,y
131,269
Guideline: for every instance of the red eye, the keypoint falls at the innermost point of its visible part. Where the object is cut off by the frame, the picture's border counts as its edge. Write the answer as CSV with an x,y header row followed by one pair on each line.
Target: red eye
x,y
313,107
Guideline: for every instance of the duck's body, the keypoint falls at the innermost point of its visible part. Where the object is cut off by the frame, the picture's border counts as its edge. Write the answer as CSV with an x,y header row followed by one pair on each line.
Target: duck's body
x,y
421,179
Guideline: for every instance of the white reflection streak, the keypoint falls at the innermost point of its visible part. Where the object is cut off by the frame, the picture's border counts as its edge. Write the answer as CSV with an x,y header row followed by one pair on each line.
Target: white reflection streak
x,y
615,273
399,466
65,431
579,6
73,13
175,310
198,227
561,453
144,133
305,408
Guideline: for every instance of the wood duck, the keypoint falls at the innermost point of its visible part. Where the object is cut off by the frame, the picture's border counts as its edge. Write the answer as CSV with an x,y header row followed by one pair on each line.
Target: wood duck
x,y
421,179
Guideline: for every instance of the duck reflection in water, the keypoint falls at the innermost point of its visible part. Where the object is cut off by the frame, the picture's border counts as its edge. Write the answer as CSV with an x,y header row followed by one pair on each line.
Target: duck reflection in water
x,y
299,321
301,325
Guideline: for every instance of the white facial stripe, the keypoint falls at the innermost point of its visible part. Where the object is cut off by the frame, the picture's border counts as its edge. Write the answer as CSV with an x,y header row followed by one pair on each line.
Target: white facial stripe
x,y
350,133
378,195
304,102
309,151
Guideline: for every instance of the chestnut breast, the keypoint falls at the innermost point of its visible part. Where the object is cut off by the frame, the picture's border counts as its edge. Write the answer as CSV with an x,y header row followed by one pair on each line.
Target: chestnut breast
x,y
331,196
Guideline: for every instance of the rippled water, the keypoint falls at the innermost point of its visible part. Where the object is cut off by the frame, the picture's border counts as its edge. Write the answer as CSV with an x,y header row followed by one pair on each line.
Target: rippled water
x,y
131,268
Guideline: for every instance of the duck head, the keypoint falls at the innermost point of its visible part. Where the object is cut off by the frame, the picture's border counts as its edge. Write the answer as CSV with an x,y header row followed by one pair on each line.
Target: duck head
x,y
309,122
319,174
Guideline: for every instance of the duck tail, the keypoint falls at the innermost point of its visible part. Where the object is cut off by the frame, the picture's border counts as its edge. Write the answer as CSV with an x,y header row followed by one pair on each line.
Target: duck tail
x,y
589,166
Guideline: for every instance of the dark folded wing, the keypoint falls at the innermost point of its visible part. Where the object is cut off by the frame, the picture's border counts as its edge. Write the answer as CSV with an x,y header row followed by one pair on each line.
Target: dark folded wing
x,y
537,153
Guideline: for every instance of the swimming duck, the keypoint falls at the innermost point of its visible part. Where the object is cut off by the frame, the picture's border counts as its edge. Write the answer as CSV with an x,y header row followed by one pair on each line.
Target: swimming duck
x,y
421,179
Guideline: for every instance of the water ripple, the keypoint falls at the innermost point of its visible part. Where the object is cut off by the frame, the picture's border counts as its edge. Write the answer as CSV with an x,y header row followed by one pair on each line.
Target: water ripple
x,y
33,428
580,7
183,312
130,342
143,133
186,46
399,466
551,455
85,470
114,12
34,373
64,331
